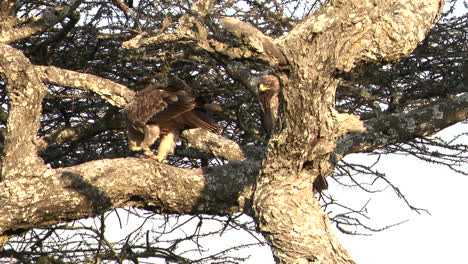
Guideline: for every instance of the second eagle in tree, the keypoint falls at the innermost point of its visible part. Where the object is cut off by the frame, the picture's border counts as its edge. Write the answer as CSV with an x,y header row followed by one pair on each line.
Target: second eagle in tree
x,y
163,111
268,95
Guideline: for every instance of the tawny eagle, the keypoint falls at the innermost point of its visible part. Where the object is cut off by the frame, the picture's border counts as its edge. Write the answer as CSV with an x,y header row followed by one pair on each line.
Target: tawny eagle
x,y
268,95
163,111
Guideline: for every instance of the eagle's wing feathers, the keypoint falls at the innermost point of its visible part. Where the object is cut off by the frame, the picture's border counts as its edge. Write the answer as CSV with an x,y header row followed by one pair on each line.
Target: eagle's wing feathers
x,y
156,111
146,104
183,103
199,119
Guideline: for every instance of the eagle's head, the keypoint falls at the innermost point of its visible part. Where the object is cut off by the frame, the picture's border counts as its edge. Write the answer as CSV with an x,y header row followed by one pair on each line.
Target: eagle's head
x,y
268,90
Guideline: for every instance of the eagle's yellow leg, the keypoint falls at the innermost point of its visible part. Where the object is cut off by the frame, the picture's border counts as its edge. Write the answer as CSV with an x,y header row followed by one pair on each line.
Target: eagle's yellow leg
x,y
167,145
151,134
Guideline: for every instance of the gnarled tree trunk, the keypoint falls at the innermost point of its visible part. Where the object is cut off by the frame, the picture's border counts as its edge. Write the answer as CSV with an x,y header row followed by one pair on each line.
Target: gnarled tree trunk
x,y
338,36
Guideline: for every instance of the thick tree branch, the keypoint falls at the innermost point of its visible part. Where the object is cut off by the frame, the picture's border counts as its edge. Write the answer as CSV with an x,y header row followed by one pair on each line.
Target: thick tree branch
x,y
365,30
50,17
391,129
215,144
91,188
116,94
126,9
256,40
25,92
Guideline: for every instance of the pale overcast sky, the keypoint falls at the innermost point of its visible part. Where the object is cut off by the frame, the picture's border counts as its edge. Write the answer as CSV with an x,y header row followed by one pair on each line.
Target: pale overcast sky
x,y
441,237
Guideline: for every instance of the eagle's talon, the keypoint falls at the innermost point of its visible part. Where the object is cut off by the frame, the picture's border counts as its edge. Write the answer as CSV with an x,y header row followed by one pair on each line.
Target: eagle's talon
x,y
135,148
157,158
152,157
161,158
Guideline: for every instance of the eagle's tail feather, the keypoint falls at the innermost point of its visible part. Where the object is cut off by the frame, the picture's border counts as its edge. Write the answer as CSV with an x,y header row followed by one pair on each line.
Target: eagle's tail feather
x,y
199,119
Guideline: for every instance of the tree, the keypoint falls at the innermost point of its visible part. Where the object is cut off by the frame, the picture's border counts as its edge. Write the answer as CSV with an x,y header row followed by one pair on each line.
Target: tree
x,y
68,69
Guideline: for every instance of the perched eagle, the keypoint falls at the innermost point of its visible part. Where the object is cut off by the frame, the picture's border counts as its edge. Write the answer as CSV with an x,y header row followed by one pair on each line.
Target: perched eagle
x,y
163,111
268,95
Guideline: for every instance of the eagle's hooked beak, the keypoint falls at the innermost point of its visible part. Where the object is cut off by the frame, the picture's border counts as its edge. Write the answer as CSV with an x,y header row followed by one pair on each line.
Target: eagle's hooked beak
x,y
269,115
263,88
268,90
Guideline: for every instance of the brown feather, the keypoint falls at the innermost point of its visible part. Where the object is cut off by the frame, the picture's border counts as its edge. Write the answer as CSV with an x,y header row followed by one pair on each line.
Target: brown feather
x,y
164,111
268,96
145,105
198,119
184,103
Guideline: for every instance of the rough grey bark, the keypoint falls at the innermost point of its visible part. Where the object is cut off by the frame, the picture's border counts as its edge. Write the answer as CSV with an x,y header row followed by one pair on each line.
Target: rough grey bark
x,y
91,188
278,192
316,48
48,19
385,130
26,93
